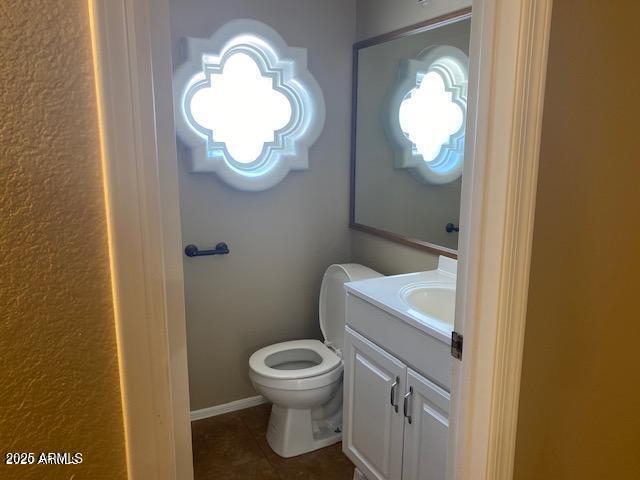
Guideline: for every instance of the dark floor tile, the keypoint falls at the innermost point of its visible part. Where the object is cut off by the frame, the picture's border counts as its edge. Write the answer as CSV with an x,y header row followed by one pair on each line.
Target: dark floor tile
x,y
257,419
329,463
292,469
221,443
234,446
258,470
226,450
228,422
261,440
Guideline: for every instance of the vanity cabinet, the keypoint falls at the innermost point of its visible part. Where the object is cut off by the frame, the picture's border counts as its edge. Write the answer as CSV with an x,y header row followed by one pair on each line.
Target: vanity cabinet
x,y
396,422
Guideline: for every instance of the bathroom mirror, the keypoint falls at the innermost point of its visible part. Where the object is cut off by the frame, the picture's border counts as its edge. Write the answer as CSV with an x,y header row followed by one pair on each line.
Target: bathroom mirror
x,y
409,118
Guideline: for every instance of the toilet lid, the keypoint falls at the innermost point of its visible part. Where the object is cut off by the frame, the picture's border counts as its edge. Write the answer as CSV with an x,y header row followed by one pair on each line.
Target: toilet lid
x,y
332,299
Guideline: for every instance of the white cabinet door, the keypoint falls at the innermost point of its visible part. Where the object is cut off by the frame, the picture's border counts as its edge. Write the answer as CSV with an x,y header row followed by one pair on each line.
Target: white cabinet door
x,y
426,429
372,426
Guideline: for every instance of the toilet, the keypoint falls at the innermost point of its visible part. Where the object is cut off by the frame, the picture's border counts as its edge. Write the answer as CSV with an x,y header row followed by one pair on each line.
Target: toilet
x,y
303,378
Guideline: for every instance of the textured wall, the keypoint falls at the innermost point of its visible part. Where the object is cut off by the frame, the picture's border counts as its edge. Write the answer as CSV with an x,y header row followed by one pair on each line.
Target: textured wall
x,y
580,390
282,239
59,386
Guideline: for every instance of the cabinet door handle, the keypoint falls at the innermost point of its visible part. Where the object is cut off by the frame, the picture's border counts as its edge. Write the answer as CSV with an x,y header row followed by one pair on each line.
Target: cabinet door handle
x,y
406,404
394,387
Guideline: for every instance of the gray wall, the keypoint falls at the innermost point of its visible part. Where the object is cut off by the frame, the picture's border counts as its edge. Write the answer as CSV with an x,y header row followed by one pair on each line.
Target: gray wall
x,y
281,240
375,17
387,257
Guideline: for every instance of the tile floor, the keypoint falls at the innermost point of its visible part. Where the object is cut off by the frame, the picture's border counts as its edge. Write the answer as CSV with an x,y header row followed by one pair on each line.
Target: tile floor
x,y
234,447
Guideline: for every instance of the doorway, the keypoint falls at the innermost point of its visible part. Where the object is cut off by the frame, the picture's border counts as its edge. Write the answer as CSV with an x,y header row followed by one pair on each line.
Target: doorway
x,y
139,150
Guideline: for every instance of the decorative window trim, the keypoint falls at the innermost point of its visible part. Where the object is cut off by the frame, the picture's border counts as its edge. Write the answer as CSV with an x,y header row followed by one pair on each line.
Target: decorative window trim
x,y
287,67
452,65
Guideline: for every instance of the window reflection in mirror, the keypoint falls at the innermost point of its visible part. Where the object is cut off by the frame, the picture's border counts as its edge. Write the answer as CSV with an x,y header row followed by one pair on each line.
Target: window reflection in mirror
x,y
410,118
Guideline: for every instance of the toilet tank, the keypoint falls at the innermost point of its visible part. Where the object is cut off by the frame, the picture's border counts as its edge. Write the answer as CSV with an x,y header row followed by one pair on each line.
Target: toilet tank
x,y
332,299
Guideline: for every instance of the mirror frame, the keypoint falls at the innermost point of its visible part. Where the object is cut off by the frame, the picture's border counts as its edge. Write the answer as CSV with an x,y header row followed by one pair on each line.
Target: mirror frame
x,y
421,27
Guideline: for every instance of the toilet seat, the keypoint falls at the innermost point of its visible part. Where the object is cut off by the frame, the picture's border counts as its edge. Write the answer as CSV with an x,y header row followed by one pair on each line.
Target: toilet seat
x,y
327,359
303,378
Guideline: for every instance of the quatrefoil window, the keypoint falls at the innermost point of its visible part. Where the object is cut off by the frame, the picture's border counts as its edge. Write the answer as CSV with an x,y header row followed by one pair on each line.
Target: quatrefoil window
x,y
429,116
247,106
428,112
240,110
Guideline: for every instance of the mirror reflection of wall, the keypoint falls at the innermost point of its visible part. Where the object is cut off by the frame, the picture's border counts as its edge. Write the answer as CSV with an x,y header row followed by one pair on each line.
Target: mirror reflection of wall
x,y
396,195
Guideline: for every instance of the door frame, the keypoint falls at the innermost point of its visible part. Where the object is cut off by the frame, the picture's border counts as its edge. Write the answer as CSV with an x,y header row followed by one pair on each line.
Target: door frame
x,y
133,69
508,55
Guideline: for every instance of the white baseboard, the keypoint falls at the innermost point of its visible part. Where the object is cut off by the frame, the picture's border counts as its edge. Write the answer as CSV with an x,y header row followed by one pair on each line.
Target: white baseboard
x,y
358,475
228,407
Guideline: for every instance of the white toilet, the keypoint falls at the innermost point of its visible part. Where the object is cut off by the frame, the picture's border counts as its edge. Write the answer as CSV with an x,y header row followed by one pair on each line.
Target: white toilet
x,y
303,378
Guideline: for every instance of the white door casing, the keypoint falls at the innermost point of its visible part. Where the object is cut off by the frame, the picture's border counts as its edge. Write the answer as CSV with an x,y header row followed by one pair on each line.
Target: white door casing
x,y
507,72
132,61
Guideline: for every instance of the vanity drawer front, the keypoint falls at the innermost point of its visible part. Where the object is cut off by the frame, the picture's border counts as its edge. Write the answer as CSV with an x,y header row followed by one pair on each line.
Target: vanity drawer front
x,y
425,354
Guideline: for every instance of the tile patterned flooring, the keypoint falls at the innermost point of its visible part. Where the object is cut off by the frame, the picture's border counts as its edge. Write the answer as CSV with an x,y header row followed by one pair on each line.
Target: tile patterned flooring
x,y
234,447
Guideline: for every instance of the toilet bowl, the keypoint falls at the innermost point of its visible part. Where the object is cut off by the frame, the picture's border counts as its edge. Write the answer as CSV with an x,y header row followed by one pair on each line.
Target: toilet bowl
x,y
303,378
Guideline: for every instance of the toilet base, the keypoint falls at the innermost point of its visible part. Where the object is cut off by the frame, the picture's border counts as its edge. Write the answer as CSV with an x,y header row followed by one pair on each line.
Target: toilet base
x,y
292,432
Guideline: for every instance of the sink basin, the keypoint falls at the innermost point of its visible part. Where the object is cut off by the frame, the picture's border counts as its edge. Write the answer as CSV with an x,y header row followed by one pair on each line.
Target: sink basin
x,y
437,302
423,300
